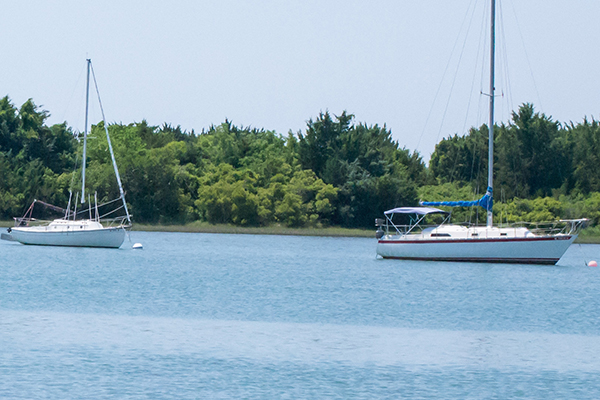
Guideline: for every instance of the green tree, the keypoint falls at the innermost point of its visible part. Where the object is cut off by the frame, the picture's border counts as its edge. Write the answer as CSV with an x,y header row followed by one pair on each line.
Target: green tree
x,y
462,159
368,167
536,154
585,139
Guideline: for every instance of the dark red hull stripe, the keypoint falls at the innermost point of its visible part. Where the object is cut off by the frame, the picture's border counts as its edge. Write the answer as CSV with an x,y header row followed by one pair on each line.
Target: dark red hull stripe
x,y
547,261
454,241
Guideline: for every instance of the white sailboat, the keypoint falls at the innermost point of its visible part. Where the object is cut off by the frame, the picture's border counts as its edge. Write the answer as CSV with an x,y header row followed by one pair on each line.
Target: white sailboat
x,y
69,230
448,242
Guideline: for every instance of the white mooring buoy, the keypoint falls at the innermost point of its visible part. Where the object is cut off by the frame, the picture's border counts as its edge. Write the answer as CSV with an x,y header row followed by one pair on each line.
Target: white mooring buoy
x,y
138,246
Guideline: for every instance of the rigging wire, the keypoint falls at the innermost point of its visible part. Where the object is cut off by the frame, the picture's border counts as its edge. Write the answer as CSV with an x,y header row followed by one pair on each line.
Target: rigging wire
x,y
455,76
468,108
482,106
443,77
480,51
69,101
111,212
527,57
515,164
112,155
480,57
84,210
505,70
467,26
506,106
451,90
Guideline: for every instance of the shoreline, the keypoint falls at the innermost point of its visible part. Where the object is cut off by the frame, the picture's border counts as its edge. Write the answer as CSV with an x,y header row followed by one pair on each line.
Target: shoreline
x,y
202,227
196,227
279,230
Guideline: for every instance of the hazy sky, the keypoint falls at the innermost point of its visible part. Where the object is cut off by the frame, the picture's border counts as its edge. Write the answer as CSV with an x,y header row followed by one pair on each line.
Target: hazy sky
x,y
276,64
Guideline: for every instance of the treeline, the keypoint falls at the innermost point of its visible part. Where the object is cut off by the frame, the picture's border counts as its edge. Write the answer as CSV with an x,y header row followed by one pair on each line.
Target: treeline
x,y
543,170
334,173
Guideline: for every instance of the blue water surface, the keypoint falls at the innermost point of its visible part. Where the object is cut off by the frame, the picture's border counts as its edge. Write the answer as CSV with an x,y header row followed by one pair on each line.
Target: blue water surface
x,y
249,316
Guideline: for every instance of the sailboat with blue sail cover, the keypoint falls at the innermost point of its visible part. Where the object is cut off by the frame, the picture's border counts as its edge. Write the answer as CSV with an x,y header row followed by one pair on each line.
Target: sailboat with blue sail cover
x,y
449,242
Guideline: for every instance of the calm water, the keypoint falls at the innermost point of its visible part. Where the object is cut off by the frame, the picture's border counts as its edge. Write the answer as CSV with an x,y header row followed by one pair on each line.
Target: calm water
x,y
196,316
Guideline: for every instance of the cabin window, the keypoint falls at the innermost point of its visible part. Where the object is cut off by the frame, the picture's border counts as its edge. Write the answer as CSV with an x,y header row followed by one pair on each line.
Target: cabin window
x,y
440,235
474,234
503,234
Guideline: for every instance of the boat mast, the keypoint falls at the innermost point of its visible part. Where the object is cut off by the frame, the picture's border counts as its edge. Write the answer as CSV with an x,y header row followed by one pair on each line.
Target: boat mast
x,y
85,130
491,125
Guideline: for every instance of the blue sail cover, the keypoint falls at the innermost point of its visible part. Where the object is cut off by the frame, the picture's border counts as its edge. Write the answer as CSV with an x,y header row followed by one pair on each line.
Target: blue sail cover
x,y
487,202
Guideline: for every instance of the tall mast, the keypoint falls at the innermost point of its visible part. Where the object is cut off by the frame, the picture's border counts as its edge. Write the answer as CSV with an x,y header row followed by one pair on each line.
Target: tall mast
x,y
491,125
85,130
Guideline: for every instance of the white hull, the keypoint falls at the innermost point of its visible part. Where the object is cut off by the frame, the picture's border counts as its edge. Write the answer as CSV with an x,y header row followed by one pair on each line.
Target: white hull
x,y
531,250
102,237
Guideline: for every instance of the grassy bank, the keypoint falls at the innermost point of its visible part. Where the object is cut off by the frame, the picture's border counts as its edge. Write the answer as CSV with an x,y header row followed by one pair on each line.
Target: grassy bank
x,y
204,227
589,235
